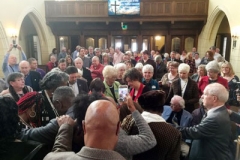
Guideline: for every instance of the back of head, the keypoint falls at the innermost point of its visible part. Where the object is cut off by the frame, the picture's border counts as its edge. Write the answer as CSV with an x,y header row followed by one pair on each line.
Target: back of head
x,y
152,101
218,90
101,125
52,80
9,119
97,85
71,69
213,65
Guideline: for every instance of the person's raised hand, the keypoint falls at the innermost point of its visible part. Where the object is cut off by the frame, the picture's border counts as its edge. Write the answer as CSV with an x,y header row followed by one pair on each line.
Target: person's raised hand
x,y
19,47
130,104
65,119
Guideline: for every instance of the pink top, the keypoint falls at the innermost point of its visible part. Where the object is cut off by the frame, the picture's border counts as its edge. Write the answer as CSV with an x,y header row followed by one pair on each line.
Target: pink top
x,y
97,71
117,57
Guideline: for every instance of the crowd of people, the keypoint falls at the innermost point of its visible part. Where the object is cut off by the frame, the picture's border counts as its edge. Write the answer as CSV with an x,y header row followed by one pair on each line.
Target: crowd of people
x,y
179,106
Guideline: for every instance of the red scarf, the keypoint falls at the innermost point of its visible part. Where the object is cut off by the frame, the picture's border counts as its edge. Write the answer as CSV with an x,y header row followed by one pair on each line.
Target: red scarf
x,y
138,93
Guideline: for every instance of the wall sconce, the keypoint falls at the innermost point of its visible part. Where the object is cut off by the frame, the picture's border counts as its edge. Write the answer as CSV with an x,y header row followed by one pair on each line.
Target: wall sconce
x,y
234,38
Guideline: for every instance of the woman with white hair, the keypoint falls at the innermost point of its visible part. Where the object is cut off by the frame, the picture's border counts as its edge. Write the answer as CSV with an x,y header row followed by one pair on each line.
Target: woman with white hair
x,y
185,87
139,67
213,70
111,85
147,71
121,68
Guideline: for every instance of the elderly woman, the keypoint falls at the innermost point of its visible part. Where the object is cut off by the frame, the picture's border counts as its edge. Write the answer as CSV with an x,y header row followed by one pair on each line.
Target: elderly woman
x,y
111,86
29,109
121,68
168,78
152,103
139,67
49,84
228,74
147,77
17,87
191,62
184,87
213,70
161,68
134,80
201,71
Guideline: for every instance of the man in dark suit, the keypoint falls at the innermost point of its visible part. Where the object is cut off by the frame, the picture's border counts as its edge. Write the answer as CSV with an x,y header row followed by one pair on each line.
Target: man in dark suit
x,y
78,85
185,87
212,137
85,72
32,78
173,57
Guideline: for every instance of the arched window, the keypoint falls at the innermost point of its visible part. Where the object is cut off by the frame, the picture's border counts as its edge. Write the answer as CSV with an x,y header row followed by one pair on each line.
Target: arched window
x,y
102,43
90,42
176,44
189,44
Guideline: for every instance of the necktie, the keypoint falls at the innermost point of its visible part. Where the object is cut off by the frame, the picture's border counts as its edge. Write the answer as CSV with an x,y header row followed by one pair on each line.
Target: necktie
x,y
174,119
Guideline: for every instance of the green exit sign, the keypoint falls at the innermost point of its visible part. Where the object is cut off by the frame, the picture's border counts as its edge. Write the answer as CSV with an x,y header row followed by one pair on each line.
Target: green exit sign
x,y
124,27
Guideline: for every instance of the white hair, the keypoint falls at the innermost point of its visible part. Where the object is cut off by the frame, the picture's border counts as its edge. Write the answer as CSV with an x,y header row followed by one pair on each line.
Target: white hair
x,y
78,59
147,67
158,58
166,55
180,100
120,65
139,66
213,65
218,90
184,67
109,71
80,72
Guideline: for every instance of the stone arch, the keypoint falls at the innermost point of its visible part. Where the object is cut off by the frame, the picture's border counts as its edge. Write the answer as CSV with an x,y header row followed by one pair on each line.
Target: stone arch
x,y
4,44
42,30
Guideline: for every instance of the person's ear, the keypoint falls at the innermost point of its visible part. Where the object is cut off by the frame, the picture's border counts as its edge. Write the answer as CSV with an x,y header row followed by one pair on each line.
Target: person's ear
x,y
57,104
83,125
11,83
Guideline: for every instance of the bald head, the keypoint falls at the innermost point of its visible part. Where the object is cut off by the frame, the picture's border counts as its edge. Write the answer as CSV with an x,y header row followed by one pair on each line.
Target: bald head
x,y
101,125
95,61
24,67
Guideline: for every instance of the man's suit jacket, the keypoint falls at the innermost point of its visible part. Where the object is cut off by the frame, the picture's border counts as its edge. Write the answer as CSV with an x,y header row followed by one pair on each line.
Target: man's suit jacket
x,y
87,75
186,118
82,86
35,78
211,138
161,69
190,96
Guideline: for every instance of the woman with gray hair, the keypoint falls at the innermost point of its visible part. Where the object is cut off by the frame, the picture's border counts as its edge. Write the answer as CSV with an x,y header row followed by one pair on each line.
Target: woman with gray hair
x,y
213,71
111,85
184,87
147,71
161,68
17,87
201,71
121,68
49,84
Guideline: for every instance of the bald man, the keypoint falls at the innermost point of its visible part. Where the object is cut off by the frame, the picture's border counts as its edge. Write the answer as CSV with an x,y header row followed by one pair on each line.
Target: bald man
x,y
10,61
100,127
32,78
96,68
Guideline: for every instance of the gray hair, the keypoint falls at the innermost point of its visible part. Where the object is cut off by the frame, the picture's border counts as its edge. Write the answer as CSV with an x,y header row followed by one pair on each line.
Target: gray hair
x,y
52,80
120,65
158,58
97,49
109,71
78,59
13,76
166,55
213,65
184,67
218,90
63,92
139,65
180,100
147,67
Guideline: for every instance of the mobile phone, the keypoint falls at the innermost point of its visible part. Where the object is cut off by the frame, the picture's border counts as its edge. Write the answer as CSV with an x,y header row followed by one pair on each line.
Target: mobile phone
x,y
122,92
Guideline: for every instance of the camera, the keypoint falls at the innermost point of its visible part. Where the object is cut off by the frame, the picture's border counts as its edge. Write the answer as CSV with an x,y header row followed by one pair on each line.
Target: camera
x,y
14,44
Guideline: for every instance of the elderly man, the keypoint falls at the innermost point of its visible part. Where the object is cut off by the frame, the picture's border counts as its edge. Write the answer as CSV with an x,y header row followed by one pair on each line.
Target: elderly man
x,y
63,99
173,57
86,74
185,87
32,78
10,62
34,67
96,68
176,113
161,68
101,126
78,85
51,64
212,137
91,54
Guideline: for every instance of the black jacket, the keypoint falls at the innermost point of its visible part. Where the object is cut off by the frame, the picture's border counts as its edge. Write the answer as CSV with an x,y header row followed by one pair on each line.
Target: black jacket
x,y
87,75
35,78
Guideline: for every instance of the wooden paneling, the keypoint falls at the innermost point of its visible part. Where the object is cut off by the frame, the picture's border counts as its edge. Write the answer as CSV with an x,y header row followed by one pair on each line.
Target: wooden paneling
x,y
162,10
